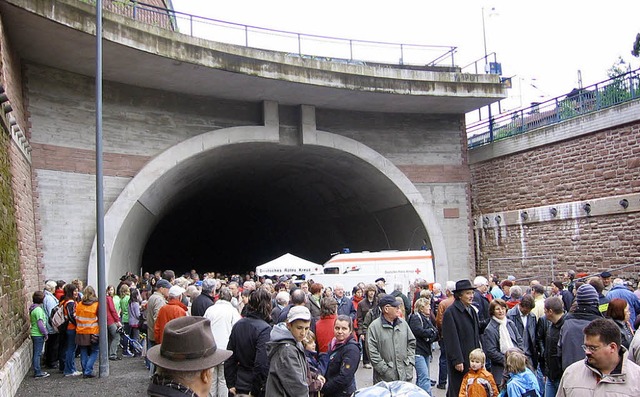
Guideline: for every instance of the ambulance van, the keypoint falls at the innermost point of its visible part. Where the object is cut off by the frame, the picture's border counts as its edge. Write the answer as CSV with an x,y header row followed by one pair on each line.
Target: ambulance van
x,y
403,267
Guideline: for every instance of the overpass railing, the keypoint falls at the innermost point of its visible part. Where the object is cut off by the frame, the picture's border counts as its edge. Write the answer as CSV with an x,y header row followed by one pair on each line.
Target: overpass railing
x,y
622,88
296,44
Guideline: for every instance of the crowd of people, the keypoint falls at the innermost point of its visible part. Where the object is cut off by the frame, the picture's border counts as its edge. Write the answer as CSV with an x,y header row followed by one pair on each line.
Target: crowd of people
x,y
239,336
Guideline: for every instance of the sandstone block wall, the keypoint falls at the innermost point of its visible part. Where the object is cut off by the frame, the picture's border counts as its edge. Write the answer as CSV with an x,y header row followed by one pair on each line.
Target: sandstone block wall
x,y
603,164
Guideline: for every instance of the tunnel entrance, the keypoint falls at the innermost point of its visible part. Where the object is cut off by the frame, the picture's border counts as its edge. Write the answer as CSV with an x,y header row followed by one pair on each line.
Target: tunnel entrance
x,y
242,205
229,200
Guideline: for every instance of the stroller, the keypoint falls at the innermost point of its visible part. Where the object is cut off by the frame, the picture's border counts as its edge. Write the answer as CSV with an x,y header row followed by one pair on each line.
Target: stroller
x,y
135,346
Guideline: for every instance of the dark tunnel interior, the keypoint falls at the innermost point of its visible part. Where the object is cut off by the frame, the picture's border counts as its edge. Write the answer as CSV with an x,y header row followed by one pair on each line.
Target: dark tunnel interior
x,y
252,203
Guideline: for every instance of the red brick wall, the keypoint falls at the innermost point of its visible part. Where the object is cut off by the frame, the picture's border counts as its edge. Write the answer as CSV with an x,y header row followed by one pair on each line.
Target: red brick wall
x,y
22,274
598,165
81,161
602,164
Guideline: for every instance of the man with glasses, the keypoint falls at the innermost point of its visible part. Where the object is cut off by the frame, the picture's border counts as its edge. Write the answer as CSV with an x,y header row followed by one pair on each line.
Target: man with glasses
x,y
605,370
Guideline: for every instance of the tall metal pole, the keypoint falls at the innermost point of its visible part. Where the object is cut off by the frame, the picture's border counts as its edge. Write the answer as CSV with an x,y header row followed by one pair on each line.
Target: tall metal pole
x,y
102,282
484,39
487,70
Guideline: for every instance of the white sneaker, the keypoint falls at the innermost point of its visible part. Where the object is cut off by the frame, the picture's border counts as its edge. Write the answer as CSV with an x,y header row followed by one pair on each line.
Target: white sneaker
x,y
368,366
76,373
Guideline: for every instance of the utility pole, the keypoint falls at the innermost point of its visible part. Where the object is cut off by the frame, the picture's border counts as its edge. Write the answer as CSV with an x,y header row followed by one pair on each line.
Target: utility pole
x,y
102,282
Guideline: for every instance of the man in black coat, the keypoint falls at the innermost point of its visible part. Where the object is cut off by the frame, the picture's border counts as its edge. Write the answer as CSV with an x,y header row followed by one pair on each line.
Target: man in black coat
x,y
205,299
461,333
551,361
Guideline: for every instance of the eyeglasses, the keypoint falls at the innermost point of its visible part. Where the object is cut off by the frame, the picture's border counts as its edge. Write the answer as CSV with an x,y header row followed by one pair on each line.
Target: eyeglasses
x,y
591,349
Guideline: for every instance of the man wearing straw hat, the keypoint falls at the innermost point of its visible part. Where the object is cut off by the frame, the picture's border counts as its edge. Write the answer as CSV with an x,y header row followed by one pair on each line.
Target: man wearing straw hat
x,y
185,359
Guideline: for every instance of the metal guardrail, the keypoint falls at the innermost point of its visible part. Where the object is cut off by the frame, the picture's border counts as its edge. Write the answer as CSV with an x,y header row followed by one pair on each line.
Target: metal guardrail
x,y
295,44
620,89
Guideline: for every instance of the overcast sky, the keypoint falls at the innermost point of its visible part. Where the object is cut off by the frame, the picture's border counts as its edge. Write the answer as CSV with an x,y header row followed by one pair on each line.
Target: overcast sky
x,y
542,43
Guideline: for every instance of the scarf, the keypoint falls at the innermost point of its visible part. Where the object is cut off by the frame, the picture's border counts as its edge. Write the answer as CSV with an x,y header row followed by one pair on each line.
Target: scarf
x,y
335,344
505,337
159,382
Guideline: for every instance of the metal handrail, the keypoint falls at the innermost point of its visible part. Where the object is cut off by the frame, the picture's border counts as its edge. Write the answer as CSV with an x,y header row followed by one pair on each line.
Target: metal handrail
x,y
607,93
487,61
296,44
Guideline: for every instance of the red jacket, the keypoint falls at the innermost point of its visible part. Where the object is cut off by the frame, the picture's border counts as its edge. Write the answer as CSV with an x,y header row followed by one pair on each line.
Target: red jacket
x,y
112,314
173,309
324,332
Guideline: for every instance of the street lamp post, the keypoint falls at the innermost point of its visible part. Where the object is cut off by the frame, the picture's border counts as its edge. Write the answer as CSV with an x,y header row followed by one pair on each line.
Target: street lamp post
x,y
487,70
484,40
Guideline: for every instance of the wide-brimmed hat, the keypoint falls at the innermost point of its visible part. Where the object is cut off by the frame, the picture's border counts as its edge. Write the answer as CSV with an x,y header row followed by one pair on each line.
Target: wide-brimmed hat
x,y
463,285
187,345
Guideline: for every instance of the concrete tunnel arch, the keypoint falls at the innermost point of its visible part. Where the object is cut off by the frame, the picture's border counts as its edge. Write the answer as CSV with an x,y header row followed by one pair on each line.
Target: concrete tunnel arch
x,y
177,174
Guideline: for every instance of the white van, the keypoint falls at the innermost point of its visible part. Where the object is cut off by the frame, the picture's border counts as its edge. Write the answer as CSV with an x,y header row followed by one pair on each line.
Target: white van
x,y
403,267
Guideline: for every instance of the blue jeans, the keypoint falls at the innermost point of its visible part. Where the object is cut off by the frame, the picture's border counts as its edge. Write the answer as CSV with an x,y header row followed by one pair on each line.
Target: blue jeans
x,y
38,344
540,378
88,357
70,356
422,373
551,387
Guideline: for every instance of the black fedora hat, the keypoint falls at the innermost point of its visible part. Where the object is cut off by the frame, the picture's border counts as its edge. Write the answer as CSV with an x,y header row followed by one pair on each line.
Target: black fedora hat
x,y
463,285
187,345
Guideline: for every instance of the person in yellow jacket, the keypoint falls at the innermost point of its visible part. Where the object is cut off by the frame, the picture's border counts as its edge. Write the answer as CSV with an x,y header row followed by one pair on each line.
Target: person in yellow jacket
x,y
87,330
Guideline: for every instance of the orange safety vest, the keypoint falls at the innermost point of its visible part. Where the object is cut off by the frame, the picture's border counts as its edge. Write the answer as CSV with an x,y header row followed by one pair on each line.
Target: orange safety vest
x,y
87,319
70,325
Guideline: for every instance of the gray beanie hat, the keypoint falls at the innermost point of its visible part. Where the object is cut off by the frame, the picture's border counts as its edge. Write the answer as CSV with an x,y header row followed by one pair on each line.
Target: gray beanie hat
x,y
587,295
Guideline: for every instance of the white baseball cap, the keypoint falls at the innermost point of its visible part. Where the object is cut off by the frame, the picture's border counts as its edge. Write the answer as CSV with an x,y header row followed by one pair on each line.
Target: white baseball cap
x,y
176,290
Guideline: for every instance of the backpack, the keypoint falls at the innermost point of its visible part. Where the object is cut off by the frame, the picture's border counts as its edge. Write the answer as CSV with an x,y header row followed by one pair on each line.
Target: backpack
x,y
57,319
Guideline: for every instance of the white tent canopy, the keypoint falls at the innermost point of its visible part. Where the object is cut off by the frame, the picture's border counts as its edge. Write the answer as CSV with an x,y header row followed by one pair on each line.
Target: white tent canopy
x,y
288,264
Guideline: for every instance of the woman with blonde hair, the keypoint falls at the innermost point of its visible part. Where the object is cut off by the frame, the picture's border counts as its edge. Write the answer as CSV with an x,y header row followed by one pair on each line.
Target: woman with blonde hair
x,y
425,333
87,330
